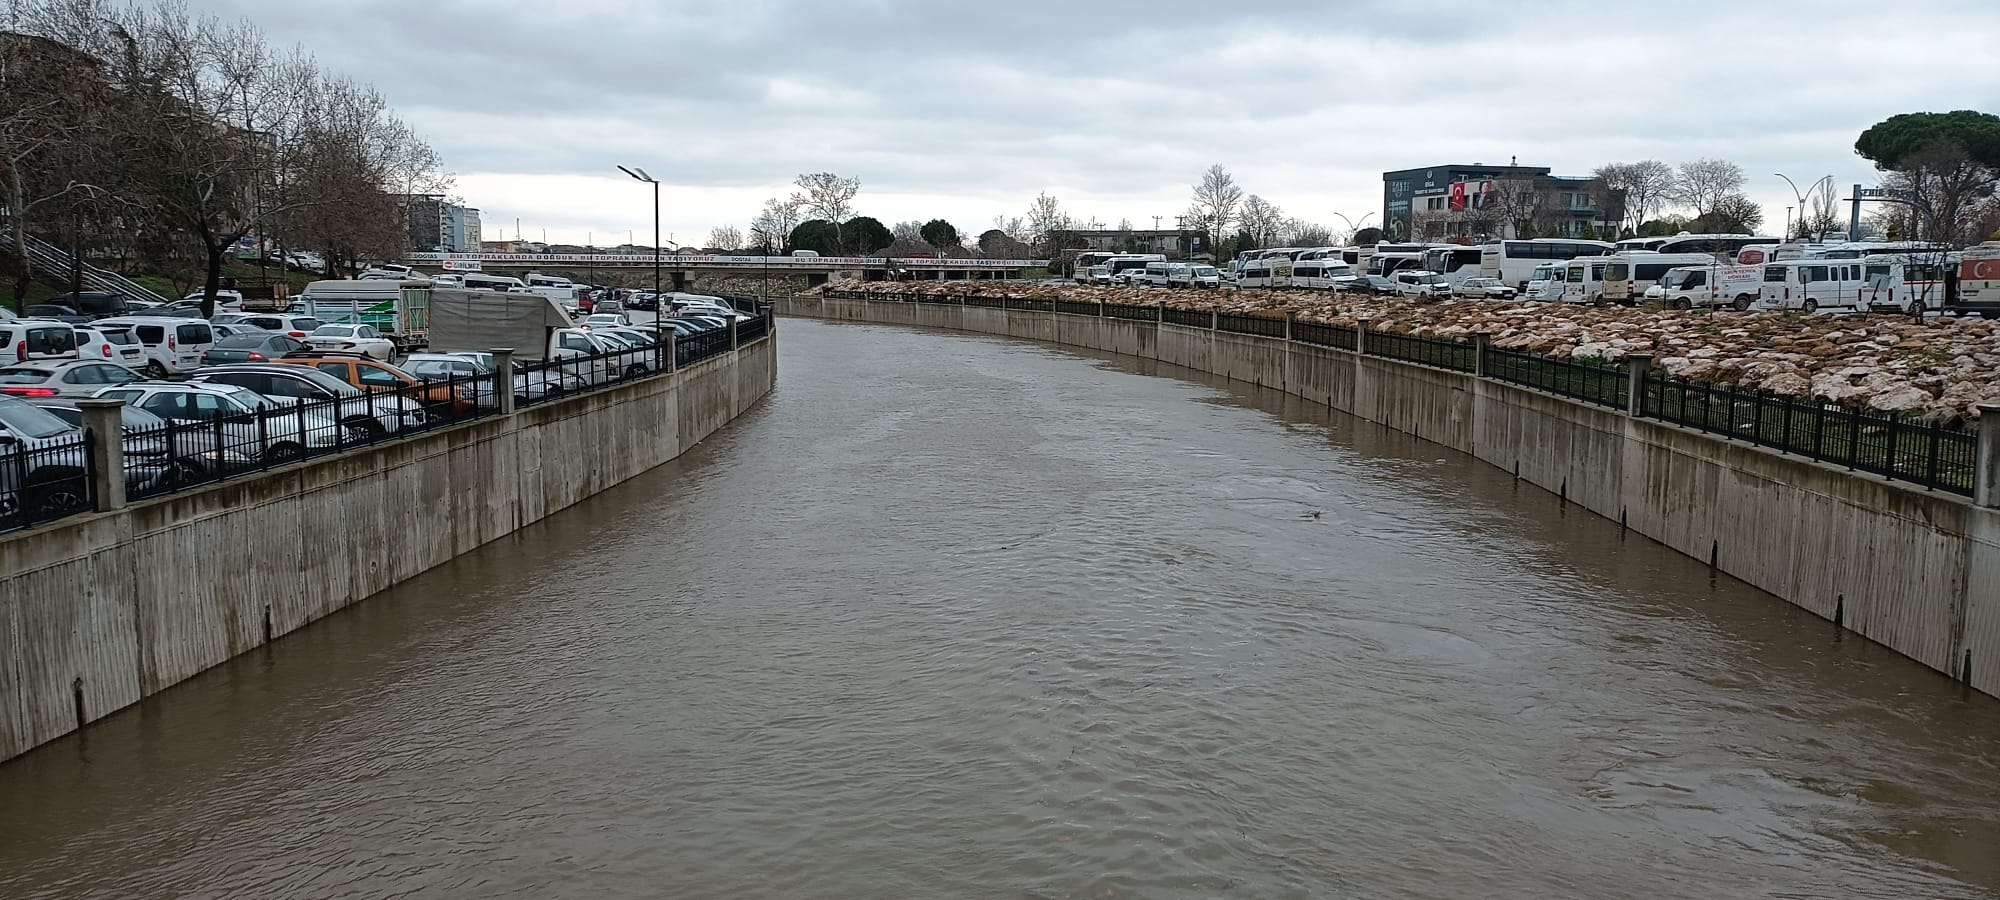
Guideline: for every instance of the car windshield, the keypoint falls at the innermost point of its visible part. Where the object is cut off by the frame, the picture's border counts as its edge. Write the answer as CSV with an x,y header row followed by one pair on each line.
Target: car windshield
x,y
334,331
23,375
439,368
327,381
1206,270
240,341
1430,279
136,418
242,396
29,422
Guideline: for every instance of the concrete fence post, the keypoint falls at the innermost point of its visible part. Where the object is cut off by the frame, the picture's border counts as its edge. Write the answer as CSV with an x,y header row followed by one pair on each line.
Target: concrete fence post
x,y
1160,311
1482,341
1291,318
106,428
673,350
503,378
1214,320
1361,335
1986,479
732,333
1638,366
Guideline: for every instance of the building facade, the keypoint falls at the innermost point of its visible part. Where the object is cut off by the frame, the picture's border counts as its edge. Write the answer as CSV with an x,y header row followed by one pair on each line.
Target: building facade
x,y
437,224
1168,242
462,229
1478,202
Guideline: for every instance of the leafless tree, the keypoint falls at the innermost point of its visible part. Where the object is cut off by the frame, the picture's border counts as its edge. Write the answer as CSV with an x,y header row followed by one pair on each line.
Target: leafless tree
x,y
725,237
1703,184
1214,205
1645,185
1048,225
1011,226
1515,204
909,233
1949,192
772,228
824,195
1263,221
1731,214
1300,233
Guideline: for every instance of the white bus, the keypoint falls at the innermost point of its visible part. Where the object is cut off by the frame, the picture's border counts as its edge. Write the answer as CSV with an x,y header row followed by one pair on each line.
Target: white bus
x,y
1721,246
1389,258
1513,262
1087,260
1907,284
1810,285
1454,263
481,281
1266,268
1630,273
1544,283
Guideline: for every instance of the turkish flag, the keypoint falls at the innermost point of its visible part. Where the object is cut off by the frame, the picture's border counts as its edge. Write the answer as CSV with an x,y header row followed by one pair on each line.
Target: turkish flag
x,y
1982,270
1458,196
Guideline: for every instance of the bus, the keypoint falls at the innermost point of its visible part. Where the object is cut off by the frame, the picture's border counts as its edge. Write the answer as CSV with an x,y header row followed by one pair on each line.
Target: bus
x,y
1630,273
1514,262
1087,260
1320,268
1908,284
1266,268
1723,247
1454,263
1388,258
1978,283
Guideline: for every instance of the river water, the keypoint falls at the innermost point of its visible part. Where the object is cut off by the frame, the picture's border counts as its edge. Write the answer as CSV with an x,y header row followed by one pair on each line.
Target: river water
x,y
952,616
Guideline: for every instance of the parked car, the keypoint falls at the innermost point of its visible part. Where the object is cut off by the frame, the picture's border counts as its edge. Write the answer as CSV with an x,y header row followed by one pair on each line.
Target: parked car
x,y
1421,283
1379,285
440,366
55,312
291,325
362,339
1484,289
62,378
229,331
110,344
253,346
172,345
96,304
225,300
605,320
248,423
25,339
376,376
195,455
286,383
47,480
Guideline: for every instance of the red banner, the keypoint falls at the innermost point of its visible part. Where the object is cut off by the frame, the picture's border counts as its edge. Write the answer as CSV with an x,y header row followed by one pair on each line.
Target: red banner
x,y
1458,196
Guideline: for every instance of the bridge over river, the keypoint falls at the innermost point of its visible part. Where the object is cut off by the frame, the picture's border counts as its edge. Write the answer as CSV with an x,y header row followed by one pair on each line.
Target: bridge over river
x,y
958,616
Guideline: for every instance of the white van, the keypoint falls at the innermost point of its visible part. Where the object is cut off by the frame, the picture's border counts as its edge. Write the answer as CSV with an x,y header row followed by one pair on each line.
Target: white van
x,y
1712,286
1420,283
172,346
1811,285
480,281
1627,275
1158,274
1583,280
22,340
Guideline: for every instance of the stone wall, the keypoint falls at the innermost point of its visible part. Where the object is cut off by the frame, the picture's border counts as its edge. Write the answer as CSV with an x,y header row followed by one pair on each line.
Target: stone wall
x,y
100,611
1915,570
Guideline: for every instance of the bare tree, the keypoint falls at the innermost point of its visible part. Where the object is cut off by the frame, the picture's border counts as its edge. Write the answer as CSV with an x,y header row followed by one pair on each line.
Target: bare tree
x,y
1824,214
1703,184
51,140
1214,205
1429,224
824,195
725,237
772,227
1515,204
911,232
1048,225
1732,213
1948,190
1011,226
1646,185
1300,233
1262,221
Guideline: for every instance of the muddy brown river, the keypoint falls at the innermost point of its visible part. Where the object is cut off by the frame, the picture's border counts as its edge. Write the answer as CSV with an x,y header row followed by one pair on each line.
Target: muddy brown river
x,y
956,616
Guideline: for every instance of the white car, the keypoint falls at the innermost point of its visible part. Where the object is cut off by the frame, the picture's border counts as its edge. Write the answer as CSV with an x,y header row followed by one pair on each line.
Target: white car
x,y
284,385
1483,288
1420,283
283,434
230,301
114,345
62,378
294,326
605,320
22,340
362,339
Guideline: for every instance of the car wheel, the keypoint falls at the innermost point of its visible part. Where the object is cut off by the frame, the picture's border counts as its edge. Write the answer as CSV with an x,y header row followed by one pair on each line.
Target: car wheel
x,y
1811,306
59,497
1683,303
154,370
1742,303
285,451
183,472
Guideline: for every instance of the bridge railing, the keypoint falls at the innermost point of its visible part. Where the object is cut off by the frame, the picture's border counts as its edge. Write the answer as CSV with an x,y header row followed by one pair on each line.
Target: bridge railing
x,y
1897,446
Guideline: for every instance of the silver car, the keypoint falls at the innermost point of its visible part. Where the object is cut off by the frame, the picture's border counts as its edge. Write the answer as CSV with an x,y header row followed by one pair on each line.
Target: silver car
x,y
62,378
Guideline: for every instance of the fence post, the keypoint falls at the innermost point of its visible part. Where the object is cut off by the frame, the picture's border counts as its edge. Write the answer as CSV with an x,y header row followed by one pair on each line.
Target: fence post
x,y
1213,320
107,451
503,379
1482,341
1100,309
1160,311
1361,335
732,333
1290,319
1637,367
673,350
1986,479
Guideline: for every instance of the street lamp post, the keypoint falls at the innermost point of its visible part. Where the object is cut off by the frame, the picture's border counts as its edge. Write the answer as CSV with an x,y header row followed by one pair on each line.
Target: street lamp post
x,y
640,175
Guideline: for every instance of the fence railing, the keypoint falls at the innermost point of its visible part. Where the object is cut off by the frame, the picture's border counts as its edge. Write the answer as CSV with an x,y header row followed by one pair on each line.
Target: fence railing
x,y
1884,443
46,478
204,437
1894,446
1604,385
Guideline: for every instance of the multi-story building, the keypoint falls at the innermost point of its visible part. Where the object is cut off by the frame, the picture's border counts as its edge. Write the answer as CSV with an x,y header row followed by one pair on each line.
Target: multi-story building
x,y
436,223
1168,242
462,229
1479,201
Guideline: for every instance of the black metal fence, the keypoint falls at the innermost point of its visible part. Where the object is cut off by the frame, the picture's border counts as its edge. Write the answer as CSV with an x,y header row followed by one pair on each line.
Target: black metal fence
x,y
1459,357
1074,308
1884,443
1032,304
1262,326
1604,385
44,477
211,435
1895,446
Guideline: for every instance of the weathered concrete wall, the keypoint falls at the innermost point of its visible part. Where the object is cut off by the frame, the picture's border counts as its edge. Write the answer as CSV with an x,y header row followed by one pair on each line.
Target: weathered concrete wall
x,y
114,607
1915,570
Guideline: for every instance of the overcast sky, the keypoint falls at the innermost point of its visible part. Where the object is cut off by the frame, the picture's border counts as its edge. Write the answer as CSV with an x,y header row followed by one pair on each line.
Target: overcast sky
x,y
966,111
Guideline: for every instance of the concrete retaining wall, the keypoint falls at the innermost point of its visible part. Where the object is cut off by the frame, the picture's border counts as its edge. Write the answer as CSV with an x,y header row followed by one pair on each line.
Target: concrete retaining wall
x,y
98,612
1915,570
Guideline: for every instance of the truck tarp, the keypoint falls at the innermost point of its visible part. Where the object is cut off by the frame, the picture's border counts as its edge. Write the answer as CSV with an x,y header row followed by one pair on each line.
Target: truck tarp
x,y
484,320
